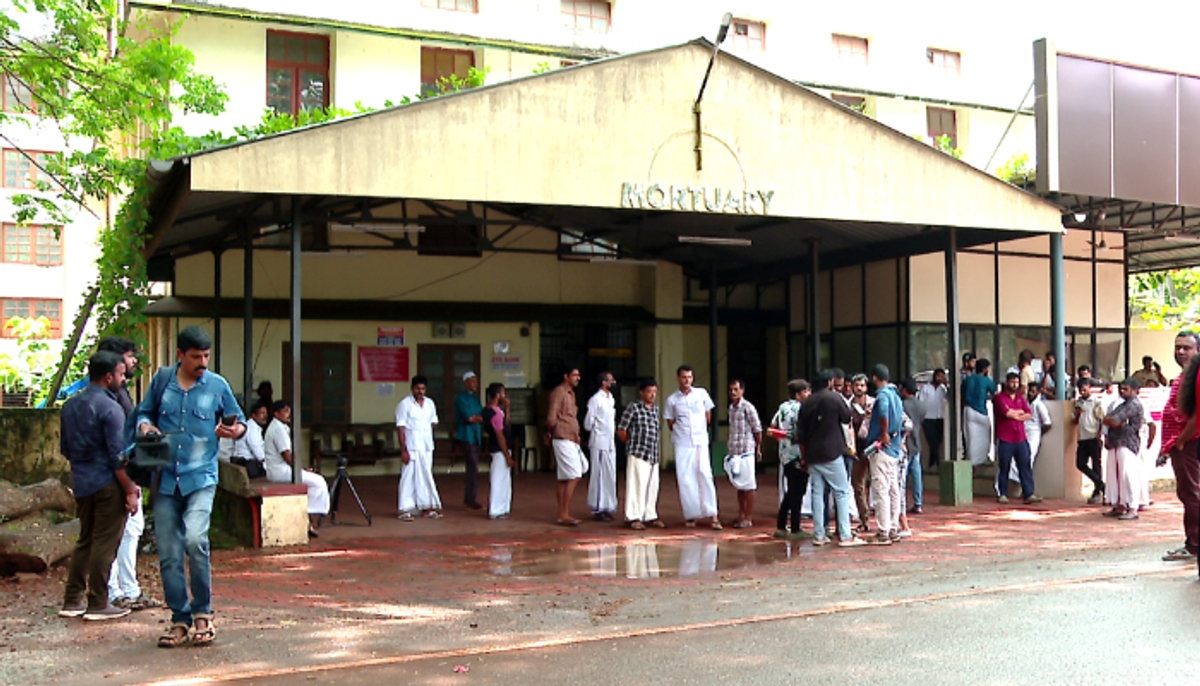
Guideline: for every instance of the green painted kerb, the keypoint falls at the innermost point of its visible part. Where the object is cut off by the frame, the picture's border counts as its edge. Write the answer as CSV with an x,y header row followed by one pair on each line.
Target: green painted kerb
x,y
955,482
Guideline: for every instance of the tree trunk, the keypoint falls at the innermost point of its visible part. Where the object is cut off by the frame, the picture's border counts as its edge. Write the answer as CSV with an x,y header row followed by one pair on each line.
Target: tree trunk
x,y
34,551
50,494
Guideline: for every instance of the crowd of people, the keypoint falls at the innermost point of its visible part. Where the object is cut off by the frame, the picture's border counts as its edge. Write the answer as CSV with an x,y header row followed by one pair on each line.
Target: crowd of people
x,y
848,446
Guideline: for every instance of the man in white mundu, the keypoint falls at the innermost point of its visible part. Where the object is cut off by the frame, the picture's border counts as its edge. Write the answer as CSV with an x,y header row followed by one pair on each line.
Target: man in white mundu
x,y
688,412
277,461
416,416
600,422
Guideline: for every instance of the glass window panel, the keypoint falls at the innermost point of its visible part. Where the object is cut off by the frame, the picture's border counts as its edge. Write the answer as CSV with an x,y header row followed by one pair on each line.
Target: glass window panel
x,y
279,89
436,385
333,415
317,51
312,90
848,350
466,5
294,48
275,47
434,356
467,356
433,370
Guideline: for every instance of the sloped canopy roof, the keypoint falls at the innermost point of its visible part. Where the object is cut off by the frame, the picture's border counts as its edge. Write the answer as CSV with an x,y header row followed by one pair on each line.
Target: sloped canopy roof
x,y
607,148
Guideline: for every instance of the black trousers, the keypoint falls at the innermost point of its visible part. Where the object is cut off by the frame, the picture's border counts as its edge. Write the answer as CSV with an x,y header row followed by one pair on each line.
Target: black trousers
x,y
471,457
797,483
102,518
1088,451
935,434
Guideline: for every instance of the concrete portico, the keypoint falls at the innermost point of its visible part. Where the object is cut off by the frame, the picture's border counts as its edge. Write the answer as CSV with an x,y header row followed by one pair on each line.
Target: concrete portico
x,y
573,196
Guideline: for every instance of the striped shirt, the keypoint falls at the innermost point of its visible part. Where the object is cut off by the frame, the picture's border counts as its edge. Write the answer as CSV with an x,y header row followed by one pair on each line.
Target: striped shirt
x,y
1172,420
743,424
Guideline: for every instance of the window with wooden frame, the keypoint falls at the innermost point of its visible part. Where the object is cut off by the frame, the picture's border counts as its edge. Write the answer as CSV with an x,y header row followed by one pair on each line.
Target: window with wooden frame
x,y
30,244
325,371
21,172
456,5
942,122
444,366
31,309
297,71
591,15
944,62
748,35
850,49
439,63
15,95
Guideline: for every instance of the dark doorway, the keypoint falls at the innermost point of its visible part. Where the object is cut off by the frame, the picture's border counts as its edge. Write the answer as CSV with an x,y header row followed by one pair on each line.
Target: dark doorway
x,y
747,360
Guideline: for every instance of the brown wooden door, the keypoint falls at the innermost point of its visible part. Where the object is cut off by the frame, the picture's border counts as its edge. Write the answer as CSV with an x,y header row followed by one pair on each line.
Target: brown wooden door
x,y
325,370
444,366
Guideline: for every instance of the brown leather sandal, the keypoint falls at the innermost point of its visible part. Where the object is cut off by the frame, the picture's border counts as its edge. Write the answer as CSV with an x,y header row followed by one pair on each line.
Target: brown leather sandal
x,y
203,635
177,635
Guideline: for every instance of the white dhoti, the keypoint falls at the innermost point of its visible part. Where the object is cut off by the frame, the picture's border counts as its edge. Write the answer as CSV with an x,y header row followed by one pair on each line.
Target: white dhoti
x,y
602,560
693,475
569,459
1124,482
807,509
697,556
318,488
122,579
500,481
885,488
641,560
902,485
977,430
418,491
602,481
1034,439
740,470
641,490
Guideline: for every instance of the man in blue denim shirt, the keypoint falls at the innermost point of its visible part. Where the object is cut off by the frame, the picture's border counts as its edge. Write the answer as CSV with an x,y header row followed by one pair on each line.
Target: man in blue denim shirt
x,y
92,439
186,404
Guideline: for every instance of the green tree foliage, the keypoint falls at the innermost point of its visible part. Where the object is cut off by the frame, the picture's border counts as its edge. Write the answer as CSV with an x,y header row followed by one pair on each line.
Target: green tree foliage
x,y
1017,170
27,370
1166,300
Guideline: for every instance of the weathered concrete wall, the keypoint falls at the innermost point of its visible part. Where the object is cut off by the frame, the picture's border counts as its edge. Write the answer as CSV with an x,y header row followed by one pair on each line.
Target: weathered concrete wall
x,y
29,446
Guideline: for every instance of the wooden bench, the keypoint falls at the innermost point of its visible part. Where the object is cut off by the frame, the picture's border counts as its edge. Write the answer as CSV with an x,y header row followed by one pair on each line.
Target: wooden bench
x,y
360,444
259,513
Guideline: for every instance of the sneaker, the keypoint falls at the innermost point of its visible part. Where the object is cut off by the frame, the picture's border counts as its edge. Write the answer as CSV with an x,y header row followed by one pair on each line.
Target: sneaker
x,y
108,612
852,542
1096,499
801,535
917,510
821,541
881,539
1126,516
905,533
1003,500
894,536
1033,499
1115,512
1179,555
76,609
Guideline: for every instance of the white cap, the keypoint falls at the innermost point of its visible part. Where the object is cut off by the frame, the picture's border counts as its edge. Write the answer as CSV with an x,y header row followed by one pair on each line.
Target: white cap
x,y
468,375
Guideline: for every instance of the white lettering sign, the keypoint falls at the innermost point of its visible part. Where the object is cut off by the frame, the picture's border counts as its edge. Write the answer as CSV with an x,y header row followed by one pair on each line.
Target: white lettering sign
x,y
656,196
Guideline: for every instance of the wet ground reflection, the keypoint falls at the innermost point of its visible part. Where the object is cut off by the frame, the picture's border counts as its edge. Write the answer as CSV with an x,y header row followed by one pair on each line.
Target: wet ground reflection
x,y
643,559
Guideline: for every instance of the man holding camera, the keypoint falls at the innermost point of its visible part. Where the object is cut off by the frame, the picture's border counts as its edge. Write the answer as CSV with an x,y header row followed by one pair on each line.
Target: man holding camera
x,y
192,408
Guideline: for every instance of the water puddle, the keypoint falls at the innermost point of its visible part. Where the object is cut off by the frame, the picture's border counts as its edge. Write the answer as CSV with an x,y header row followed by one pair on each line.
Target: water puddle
x,y
643,559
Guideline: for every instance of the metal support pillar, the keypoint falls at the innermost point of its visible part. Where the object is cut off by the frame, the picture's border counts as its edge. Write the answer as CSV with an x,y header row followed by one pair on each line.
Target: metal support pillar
x,y
215,363
294,332
247,315
713,358
814,304
954,473
1058,329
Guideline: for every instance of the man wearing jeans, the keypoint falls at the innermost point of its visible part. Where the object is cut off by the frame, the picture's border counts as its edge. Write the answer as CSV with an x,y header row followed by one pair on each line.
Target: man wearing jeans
x,y
822,443
186,403
1012,411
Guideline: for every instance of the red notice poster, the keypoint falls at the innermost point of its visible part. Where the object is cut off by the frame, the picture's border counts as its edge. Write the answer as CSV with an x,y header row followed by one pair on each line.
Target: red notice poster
x,y
382,364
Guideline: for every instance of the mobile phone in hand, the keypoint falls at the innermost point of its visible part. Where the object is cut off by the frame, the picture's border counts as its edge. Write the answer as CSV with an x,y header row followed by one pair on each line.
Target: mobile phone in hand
x,y
229,419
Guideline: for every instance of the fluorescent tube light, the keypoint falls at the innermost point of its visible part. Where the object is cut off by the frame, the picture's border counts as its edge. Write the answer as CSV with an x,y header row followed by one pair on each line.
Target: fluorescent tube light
x,y
377,227
716,240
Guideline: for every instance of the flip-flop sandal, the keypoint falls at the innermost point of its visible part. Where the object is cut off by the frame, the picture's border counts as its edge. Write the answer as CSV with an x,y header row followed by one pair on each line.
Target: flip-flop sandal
x,y
567,522
637,526
433,514
205,636
716,526
177,635
405,517
657,524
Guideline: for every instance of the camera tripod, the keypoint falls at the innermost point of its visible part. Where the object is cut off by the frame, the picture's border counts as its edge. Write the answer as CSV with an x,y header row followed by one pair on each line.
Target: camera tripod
x,y
340,479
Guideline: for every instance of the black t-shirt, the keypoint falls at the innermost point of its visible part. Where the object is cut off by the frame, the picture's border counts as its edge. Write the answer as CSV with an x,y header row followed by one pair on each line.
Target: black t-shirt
x,y
819,428
489,431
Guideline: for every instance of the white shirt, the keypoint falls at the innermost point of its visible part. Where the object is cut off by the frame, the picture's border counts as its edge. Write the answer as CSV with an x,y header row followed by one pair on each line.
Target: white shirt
x,y
933,400
1091,414
418,422
600,420
249,446
690,429
1040,417
276,442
